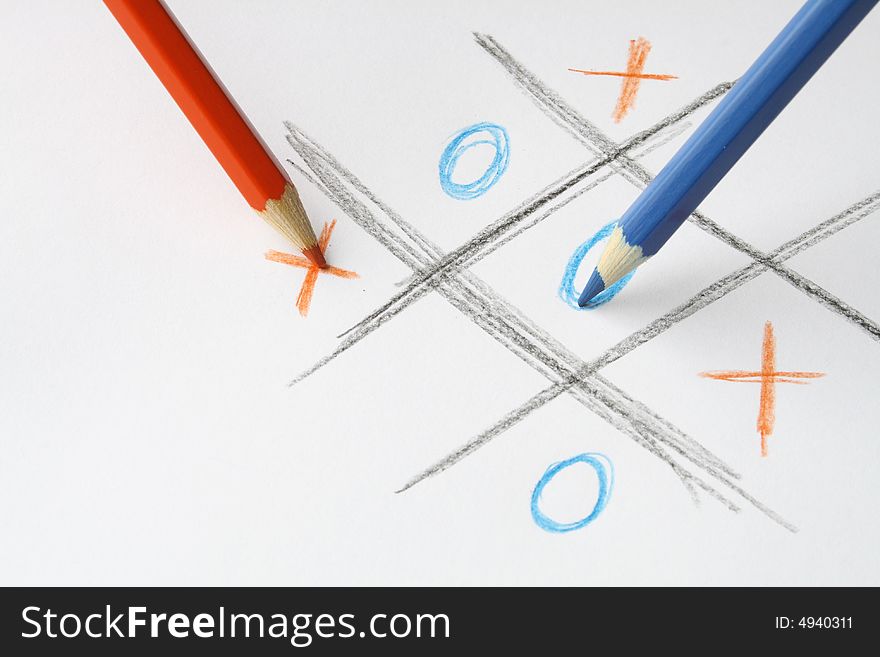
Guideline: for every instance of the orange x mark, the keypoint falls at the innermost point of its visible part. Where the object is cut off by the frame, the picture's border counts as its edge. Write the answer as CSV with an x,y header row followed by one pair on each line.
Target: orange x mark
x,y
632,77
768,377
304,300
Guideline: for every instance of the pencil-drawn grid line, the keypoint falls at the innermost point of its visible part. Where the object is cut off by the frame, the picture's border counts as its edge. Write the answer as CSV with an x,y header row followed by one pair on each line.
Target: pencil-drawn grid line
x,y
434,270
608,153
551,104
476,248
615,155
708,295
506,324
514,222
639,428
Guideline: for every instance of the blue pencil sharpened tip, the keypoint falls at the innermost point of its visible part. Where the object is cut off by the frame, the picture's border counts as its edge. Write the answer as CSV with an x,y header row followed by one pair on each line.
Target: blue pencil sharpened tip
x,y
594,286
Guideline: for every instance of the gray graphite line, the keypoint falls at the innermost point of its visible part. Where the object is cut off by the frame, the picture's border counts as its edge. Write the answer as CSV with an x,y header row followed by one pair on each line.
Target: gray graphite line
x,y
553,106
556,109
433,285
708,295
688,447
594,139
499,228
535,354
681,444
621,417
385,318
531,223
674,131
421,282
596,399
712,293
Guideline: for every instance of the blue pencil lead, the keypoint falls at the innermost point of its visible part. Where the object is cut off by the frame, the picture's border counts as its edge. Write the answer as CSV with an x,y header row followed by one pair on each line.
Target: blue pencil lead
x,y
594,286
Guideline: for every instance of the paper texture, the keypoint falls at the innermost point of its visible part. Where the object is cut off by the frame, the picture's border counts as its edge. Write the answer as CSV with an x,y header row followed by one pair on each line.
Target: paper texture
x,y
148,432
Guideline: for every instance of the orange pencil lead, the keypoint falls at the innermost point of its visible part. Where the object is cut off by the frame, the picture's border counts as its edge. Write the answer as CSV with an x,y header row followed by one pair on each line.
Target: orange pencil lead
x,y
304,298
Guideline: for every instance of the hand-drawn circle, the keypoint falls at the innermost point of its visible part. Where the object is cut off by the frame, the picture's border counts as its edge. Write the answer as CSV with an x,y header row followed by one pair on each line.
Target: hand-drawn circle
x,y
605,473
569,294
478,134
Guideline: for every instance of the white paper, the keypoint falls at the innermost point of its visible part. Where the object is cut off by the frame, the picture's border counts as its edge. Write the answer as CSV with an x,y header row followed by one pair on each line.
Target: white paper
x,y
148,433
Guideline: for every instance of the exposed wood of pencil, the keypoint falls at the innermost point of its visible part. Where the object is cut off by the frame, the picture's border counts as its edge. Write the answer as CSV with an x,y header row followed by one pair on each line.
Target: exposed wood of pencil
x,y
216,118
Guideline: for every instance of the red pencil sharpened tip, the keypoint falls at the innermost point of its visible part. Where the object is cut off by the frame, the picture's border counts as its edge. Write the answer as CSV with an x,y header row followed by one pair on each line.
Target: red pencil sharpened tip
x,y
314,254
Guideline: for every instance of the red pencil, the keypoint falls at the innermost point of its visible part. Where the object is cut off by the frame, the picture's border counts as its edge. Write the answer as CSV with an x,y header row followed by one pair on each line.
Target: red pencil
x,y
218,121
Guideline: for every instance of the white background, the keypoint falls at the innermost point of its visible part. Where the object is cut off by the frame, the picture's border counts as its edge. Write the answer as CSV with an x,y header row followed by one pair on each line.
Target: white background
x,y
147,435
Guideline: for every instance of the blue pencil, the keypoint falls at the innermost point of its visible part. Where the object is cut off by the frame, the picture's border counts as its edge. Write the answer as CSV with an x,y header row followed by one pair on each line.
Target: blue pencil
x,y
738,120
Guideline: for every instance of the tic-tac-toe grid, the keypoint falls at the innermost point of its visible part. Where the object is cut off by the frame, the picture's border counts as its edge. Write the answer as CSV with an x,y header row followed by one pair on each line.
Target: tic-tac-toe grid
x,y
449,274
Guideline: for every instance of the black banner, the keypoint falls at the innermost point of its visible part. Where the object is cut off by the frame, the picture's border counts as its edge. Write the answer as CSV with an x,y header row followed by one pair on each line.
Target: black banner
x,y
168,621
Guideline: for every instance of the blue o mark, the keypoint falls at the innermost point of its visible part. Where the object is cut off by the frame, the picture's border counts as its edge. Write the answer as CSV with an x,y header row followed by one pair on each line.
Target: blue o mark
x,y
604,471
569,294
491,134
